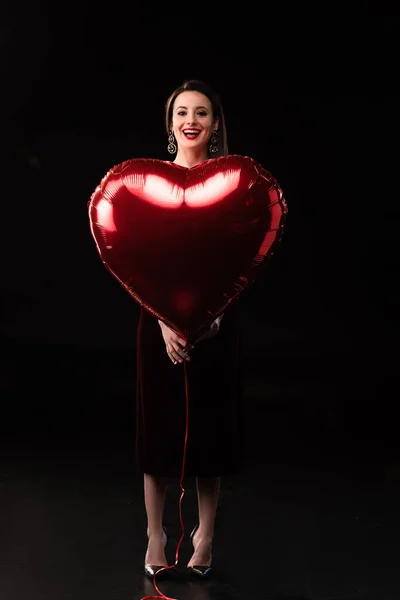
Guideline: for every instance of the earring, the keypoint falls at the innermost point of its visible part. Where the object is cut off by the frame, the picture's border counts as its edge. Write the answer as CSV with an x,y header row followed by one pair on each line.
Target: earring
x,y
171,143
214,142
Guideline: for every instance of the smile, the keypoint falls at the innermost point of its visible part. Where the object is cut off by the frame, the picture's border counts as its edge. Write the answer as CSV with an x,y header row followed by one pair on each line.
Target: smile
x,y
191,134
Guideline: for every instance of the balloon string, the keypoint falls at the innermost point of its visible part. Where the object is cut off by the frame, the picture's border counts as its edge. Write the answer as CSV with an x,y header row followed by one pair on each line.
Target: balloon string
x,y
162,596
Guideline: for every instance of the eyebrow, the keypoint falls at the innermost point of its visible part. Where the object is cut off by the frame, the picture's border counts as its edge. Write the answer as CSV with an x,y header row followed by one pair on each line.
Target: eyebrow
x,y
196,107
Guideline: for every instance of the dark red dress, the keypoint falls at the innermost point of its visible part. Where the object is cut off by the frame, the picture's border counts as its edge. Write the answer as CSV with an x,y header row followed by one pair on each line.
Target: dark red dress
x,y
215,444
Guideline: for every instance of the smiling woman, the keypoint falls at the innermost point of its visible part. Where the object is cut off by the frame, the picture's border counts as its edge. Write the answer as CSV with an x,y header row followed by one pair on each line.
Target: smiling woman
x,y
185,238
196,133
195,124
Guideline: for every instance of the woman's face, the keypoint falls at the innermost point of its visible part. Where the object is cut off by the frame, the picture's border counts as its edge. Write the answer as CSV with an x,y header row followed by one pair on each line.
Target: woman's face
x,y
192,120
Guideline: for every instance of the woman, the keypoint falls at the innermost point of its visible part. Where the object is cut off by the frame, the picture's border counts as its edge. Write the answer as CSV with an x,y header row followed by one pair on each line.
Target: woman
x,y
196,132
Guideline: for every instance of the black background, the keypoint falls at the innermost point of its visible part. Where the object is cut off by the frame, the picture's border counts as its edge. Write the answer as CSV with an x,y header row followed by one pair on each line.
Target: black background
x,y
312,95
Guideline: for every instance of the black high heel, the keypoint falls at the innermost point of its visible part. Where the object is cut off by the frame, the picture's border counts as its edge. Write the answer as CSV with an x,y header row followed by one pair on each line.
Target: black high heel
x,y
151,570
202,571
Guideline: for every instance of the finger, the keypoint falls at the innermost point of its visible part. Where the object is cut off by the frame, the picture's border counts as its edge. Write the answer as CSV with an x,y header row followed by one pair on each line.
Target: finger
x,y
183,343
169,350
188,347
172,359
174,362
174,354
182,352
182,348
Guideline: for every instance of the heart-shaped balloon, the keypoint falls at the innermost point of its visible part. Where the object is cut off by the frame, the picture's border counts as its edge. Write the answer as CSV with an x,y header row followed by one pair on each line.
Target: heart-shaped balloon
x,y
184,243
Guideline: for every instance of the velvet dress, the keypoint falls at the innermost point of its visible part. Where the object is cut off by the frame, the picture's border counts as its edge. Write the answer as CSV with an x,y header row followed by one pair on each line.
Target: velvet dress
x,y
215,442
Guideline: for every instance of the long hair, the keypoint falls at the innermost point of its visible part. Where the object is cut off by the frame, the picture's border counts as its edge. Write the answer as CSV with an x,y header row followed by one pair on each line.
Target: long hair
x,y
195,85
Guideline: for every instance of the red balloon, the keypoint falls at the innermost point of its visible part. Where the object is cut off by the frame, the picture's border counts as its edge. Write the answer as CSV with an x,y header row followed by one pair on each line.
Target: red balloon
x,y
184,243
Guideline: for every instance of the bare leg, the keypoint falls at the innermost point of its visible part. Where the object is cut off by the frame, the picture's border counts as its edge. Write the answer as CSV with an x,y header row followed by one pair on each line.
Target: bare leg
x,y
155,490
208,489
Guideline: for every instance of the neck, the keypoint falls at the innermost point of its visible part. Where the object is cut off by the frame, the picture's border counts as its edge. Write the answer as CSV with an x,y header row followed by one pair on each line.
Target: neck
x,y
190,158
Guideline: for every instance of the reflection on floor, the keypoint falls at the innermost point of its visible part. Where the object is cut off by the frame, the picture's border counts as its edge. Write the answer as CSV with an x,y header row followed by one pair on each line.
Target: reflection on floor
x,y
73,526
315,516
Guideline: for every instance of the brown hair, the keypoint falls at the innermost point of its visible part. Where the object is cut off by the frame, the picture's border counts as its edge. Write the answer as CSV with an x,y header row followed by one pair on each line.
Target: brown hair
x,y
195,85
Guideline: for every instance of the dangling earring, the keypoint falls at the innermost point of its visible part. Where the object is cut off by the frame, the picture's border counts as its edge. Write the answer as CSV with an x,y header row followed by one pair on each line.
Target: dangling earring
x,y
214,142
171,144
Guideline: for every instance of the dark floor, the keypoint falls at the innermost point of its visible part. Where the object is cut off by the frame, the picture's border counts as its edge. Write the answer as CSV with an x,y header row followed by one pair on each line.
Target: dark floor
x,y
315,517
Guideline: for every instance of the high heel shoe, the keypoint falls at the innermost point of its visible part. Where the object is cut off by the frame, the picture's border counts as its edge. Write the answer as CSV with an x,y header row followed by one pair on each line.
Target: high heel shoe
x,y
151,570
202,571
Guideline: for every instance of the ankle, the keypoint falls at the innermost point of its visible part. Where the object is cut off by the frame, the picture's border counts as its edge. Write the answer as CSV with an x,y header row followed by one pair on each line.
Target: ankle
x,y
204,533
155,532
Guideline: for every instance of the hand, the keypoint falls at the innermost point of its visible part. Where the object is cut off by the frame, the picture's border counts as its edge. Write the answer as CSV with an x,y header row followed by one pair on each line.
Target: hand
x,y
177,348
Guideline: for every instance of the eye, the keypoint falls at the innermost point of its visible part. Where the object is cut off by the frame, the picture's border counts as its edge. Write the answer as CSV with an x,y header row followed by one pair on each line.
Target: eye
x,y
181,113
202,113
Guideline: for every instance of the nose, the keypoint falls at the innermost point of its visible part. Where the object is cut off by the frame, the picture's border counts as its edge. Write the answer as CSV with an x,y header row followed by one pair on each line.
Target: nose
x,y
191,119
